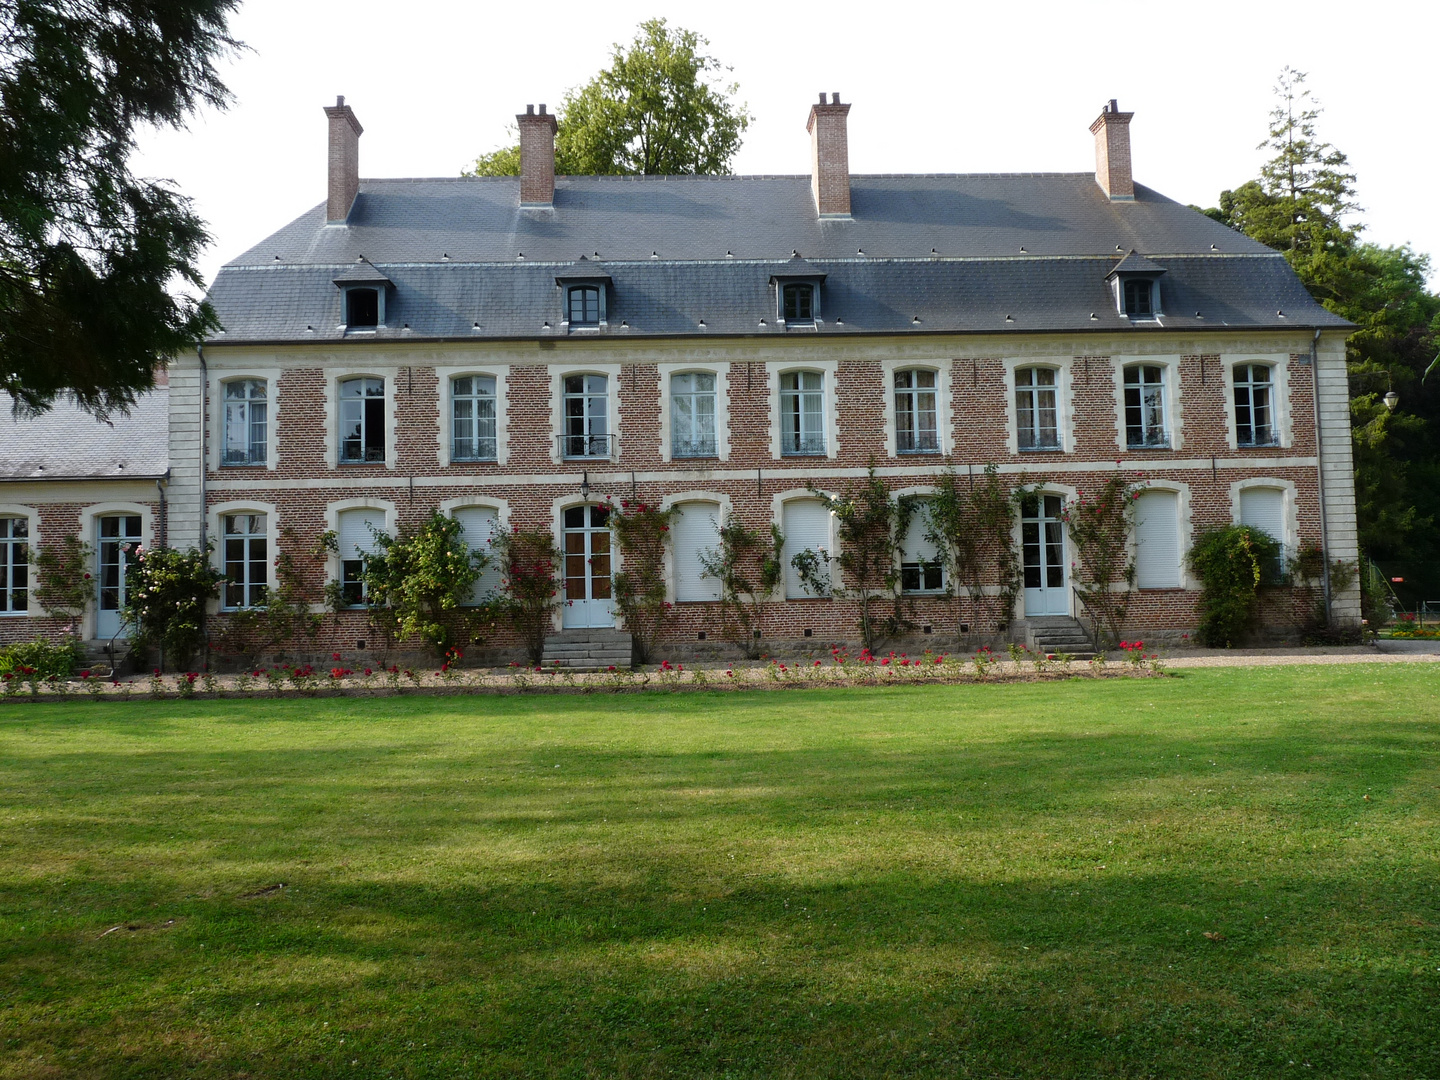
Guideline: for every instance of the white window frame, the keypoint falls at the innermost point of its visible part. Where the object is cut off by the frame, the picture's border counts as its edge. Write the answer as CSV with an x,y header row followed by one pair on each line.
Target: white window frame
x,y
334,561
944,409
89,531
558,375
332,418
215,515
919,494
828,370
1183,524
1279,364
444,388
1290,512
777,516
1064,402
218,378
1170,381
721,371
725,512
224,537
32,541
475,398
448,507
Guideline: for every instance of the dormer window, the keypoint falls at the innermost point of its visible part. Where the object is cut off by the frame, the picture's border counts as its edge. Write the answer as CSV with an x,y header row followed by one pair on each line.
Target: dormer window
x,y
362,309
1139,298
798,304
583,305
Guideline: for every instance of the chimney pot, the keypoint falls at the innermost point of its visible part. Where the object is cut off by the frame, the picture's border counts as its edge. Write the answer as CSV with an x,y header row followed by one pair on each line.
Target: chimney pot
x,y
344,160
1112,153
537,157
829,157
822,97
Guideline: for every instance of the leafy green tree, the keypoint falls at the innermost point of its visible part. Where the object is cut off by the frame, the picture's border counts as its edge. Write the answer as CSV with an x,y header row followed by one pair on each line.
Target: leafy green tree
x,y
88,252
166,591
658,110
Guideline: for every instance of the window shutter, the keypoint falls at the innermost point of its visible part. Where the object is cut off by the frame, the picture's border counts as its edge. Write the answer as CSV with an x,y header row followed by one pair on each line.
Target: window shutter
x,y
355,534
915,548
695,529
480,524
1264,509
806,524
1157,540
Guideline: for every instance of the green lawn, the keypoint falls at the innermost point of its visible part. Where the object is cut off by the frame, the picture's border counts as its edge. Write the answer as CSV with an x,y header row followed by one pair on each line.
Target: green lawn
x,y
977,880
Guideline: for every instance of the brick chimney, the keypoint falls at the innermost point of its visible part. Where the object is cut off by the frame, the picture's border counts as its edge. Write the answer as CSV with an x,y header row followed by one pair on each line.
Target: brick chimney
x,y
829,157
344,160
1112,153
537,157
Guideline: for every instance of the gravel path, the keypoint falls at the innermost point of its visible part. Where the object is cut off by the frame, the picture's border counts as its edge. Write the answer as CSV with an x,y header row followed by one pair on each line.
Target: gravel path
x,y
1387,652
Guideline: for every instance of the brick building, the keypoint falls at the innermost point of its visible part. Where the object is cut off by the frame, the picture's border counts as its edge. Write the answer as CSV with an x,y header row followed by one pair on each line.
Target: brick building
x,y
513,350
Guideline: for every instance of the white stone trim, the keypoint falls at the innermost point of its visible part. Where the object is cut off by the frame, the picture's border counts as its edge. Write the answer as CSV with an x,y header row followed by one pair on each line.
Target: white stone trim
x,y
217,556
829,369
1281,405
444,443
1064,401
32,541
1174,412
216,427
721,371
333,511
715,498
558,373
944,405
333,379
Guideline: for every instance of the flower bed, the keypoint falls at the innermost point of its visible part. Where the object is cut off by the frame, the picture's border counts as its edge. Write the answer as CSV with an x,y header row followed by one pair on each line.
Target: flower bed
x,y
841,669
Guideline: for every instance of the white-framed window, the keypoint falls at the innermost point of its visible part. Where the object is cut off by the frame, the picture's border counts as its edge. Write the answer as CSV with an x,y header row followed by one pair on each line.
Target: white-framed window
x,y
356,535
472,418
583,305
245,543
1263,509
693,431
587,416
245,440
695,531
481,525
802,413
1254,390
362,421
1157,540
916,411
14,565
1145,426
806,525
921,569
1037,410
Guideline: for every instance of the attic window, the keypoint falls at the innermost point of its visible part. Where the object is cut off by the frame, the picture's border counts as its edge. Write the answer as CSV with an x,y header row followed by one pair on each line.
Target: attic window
x,y
362,308
798,303
582,302
1139,297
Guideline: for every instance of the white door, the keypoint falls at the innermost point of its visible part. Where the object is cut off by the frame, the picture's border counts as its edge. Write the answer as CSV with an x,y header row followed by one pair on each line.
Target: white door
x,y
117,536
806,524
1042,537
587,568
481,524
1157,540
696,529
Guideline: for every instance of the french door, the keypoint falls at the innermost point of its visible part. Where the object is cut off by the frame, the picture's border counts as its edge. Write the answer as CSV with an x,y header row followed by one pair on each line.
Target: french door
x,y
588,602
117,537
1042,536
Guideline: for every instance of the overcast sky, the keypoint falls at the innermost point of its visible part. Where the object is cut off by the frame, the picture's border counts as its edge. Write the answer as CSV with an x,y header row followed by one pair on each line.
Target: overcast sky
x,y
951,87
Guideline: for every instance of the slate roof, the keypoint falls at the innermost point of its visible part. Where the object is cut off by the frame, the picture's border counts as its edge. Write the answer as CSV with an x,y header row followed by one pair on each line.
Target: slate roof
x,y
68,443
920,254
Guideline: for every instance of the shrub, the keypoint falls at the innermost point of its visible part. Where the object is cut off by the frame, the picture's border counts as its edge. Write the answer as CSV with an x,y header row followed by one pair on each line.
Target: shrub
x,y
866,519
165,595
46,659
642,532
973,528
1230,563
1099,526
528,561
419,582
747,573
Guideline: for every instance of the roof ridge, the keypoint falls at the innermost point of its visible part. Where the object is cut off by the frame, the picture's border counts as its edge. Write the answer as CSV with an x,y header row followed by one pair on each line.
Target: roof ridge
x,y
698,177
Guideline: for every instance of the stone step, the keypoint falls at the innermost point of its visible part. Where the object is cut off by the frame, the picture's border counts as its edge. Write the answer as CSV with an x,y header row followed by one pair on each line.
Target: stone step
x,y
588,650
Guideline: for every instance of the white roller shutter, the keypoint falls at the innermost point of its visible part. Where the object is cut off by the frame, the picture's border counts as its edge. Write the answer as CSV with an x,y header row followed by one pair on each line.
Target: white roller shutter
x,y
1264,509
480,524
1157,540
356,534
915,548
806,524
696,528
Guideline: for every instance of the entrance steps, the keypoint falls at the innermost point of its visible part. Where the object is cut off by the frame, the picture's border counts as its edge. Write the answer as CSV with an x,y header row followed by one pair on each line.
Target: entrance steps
x,y
1058,634
589,650
98,659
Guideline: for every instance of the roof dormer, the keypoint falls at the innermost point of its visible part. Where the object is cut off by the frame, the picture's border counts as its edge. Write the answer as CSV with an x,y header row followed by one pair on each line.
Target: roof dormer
x,y
1135,285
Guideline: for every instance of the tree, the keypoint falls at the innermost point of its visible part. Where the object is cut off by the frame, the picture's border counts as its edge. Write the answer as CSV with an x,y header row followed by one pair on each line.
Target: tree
x,y
419,582
1302,205
88,252
656,111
